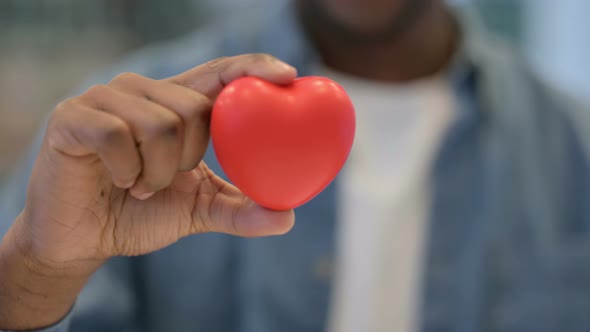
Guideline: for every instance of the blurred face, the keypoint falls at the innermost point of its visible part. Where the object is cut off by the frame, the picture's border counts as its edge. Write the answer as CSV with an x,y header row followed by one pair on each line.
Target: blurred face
x,y
365,20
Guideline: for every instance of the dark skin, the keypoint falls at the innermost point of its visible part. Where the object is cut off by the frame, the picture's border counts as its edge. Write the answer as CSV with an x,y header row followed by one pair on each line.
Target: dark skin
x,y
393,41
99,188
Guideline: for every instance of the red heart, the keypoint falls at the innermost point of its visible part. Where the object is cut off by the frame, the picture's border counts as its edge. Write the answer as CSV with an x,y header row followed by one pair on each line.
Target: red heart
x,y
282,145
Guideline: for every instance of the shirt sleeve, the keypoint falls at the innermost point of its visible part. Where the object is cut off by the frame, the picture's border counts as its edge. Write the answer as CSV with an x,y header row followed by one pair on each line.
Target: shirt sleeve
x,y
61,326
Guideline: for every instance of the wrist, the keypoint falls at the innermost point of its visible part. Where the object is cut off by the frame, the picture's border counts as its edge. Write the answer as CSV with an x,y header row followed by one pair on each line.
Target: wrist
x,y
33,293
38,254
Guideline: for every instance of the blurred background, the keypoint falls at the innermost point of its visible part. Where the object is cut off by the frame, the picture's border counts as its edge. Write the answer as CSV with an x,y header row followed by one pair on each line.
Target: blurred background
x,y
48,46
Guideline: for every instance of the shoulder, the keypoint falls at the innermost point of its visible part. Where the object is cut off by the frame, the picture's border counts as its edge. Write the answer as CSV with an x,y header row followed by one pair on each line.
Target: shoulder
x,y
576,112
512,89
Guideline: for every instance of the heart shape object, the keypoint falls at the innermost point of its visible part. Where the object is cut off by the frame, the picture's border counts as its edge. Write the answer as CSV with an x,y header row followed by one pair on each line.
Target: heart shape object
x,y
282,145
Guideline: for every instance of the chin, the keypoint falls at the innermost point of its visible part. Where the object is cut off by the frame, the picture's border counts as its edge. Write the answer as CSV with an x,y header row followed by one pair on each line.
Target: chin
x,y
363,16
365,20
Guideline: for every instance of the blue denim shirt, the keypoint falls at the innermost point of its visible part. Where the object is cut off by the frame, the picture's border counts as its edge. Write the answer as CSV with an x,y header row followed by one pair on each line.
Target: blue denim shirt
x,y
509,241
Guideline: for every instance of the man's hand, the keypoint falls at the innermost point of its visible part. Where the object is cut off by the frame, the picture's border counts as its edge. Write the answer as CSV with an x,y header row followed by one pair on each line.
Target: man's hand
x,y
120,173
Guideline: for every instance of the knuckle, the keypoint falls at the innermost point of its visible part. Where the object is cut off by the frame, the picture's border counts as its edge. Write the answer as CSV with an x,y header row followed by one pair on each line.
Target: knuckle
x,y
63,110
113,133
126,77
262,58
64,106
194,106
167,126
97,91
216,62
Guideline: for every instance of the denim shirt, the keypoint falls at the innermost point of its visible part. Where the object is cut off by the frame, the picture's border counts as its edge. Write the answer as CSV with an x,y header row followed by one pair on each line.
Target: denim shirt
x,y
508,244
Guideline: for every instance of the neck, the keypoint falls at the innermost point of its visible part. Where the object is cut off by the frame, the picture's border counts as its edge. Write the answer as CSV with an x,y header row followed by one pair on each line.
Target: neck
x,y
422,49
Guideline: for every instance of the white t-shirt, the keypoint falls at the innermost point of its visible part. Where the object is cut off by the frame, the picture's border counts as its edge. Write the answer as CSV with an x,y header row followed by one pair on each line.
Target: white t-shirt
x,y
384,202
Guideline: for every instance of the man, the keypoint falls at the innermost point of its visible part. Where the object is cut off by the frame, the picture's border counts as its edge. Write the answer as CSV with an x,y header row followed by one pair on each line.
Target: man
x,y
464,205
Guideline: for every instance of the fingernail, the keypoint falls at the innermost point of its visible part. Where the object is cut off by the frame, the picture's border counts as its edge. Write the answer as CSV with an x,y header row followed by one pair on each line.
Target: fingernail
x,y
144,196
286,66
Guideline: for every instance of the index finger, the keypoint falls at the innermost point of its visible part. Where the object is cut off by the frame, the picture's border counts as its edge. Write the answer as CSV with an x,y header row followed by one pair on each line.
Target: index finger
x,y
211,77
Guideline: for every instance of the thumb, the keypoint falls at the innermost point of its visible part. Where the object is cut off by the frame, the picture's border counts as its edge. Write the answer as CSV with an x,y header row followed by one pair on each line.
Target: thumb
x,y
211,77
243,217
223,208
